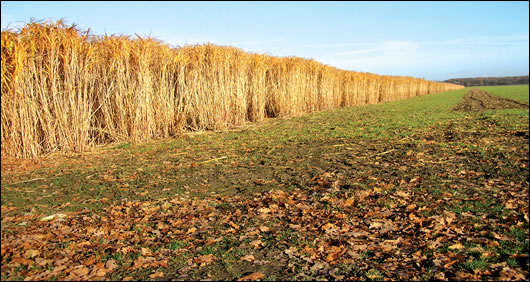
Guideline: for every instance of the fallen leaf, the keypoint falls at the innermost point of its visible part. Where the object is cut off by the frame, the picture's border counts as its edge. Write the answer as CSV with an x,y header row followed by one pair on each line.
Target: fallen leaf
x,y
99,272
31,253
335,254
84,244
328,226
349,202
111,264
318,266
146,252
491,243
50,217
213,240
510,205
290,252
89,261
206,259
81,271
508,274
264,210
249,258
255,243
162,263
252,277
447,265
463,276
456,246
156,275
23,261
137,263
43,262
234,225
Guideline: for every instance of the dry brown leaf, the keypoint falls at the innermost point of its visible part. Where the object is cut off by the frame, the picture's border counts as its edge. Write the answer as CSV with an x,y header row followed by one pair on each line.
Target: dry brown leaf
x,y
89,260
508,274
255,243
43,262
204,259
31,253
162,263
249,258
456,246
98,272
213,240
328,226
23,261
264,210
157,274
291,252
84,244
234,225
137,263
126,250
349,202
335,254
81,271
111,264
492,243
146,252
252,277
510,205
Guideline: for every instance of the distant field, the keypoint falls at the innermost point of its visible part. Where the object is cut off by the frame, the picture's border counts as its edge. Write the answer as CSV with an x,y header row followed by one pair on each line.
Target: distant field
x,y
404,190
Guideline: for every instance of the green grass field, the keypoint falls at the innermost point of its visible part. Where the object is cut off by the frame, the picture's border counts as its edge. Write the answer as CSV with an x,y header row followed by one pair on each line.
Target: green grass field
x,y
402,190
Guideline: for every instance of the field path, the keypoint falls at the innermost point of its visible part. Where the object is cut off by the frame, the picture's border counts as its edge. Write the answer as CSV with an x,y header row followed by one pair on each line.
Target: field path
x,y
479,100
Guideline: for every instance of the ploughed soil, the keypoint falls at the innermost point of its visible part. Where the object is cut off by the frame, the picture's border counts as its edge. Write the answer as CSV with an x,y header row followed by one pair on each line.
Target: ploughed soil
x,y
478,100
448,203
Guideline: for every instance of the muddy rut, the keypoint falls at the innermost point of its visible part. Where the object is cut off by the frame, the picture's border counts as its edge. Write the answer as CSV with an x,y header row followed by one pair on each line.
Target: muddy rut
x,y
477,100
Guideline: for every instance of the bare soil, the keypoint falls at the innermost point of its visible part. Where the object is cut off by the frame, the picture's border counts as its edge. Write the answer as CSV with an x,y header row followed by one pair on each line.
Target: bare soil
x,y
477,100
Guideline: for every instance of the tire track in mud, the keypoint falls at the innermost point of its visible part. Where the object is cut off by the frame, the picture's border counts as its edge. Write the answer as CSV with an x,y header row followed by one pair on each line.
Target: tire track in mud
x,y
477,100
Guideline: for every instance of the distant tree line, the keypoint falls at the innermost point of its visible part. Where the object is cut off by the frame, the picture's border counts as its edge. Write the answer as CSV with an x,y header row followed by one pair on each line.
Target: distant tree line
x,y
488,81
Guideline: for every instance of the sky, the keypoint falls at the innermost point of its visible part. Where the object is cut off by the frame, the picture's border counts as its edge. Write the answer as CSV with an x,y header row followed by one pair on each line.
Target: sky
x,y
431,40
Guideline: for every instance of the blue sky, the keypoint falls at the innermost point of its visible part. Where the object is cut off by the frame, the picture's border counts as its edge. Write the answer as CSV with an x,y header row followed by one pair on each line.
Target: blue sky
x,y
432,40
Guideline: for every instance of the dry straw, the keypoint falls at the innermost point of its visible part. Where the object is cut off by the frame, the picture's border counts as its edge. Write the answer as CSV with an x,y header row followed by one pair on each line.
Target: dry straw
x,y
63,90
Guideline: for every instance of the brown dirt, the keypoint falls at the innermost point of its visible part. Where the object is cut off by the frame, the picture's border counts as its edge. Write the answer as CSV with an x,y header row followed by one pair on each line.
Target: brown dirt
x,y
477,100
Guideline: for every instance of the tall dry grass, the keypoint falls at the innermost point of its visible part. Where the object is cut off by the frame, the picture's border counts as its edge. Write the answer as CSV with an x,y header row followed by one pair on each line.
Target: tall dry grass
x,y
64,90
